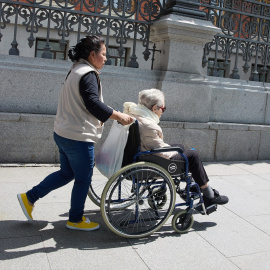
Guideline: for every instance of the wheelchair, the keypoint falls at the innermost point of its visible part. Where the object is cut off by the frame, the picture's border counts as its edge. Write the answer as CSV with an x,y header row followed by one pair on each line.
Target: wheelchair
x,y
140,197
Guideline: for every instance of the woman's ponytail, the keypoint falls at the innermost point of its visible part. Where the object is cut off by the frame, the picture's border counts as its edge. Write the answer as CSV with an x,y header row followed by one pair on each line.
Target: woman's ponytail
x,y
84,47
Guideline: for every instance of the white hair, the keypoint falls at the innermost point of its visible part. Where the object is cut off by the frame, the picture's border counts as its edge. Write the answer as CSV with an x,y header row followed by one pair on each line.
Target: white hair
x,y
151,97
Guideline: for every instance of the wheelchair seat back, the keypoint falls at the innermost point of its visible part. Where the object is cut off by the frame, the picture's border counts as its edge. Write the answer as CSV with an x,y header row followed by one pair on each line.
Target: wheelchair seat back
x,y
174,167
133,144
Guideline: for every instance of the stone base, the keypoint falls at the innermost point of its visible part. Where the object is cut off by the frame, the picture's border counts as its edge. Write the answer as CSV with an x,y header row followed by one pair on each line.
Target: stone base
x,y
28,138
181,41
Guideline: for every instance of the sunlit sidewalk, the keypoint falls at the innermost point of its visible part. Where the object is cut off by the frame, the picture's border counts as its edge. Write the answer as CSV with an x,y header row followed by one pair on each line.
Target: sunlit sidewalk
x,y
236,236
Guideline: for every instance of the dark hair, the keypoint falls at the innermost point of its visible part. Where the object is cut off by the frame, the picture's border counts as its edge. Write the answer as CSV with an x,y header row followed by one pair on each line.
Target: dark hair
x,y
84,47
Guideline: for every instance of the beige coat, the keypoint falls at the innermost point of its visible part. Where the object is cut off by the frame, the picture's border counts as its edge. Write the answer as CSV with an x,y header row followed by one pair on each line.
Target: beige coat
x,y
152,136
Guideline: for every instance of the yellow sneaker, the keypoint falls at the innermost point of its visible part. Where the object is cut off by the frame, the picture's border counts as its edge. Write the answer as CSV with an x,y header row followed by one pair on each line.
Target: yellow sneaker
x,y
26,207
84,225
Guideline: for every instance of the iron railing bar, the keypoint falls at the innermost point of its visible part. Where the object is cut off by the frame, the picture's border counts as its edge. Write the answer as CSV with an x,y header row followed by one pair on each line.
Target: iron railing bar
x,y
0,20
79,23
109,61
47,49
255,73
133,62
14,45
33,19
235,74
215,67
63,41
121,49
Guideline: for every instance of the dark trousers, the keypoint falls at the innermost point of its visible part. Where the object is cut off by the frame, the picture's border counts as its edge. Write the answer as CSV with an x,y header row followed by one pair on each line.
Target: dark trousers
x,y
195,165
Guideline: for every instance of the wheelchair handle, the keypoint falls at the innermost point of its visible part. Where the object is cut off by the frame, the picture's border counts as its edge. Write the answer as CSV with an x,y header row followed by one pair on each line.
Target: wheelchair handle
x,y
167,149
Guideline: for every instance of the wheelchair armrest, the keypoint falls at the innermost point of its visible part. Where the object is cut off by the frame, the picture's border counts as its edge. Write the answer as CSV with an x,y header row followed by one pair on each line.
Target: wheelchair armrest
x,y
167,149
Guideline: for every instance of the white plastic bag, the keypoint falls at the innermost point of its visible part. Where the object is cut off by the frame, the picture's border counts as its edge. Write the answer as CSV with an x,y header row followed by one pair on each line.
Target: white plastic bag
x,y
109,158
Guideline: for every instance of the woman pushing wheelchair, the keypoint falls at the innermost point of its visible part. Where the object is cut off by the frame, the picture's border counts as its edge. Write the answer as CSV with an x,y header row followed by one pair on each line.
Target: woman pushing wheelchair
x,y
78,126
150,107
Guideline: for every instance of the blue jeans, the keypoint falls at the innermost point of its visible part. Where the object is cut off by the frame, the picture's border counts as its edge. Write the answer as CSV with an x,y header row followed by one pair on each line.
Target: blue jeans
x,y
76,162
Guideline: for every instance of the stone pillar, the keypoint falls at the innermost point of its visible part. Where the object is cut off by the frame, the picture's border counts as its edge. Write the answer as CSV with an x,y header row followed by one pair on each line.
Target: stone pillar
x,y
181,34
181,40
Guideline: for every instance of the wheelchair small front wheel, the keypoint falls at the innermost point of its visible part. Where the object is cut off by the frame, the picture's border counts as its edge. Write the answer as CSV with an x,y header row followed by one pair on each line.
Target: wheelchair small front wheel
x,y
179,224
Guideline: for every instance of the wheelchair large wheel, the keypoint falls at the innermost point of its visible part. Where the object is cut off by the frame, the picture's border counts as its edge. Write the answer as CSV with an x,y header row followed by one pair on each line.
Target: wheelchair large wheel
x,y
178,223
96,188
95,192
125,200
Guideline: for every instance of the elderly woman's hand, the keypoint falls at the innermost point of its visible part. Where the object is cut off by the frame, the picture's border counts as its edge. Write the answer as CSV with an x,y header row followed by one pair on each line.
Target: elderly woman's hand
x,y
123,118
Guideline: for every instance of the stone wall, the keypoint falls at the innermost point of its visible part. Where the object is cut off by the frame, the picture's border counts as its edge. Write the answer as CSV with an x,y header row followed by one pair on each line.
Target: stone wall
x,y
225,120
28,138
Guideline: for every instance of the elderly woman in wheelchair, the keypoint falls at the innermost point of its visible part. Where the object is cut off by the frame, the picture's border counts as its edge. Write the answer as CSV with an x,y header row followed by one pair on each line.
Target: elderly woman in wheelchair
x,y
148,112
140,197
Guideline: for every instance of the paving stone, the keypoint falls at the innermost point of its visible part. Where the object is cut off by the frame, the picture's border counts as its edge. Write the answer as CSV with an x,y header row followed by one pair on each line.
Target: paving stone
x,y
253,261
23,253
236,236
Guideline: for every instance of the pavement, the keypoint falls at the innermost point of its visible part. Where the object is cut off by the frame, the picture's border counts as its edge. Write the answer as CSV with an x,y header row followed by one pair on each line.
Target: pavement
x,y
236,236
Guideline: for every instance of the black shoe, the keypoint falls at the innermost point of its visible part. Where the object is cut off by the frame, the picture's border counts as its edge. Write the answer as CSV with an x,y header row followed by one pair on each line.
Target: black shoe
x,y
218,199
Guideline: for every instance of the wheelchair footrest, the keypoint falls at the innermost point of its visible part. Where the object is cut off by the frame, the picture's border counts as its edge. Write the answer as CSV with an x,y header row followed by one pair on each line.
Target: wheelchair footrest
x,y
210,209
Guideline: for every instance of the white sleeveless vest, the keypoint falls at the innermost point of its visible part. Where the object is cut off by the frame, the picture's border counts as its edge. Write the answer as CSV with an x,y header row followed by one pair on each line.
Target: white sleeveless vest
x,y
73,121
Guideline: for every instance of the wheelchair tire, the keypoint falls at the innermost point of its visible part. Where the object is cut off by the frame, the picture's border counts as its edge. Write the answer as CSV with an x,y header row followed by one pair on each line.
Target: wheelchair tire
x,y
96,188
124,203
178,222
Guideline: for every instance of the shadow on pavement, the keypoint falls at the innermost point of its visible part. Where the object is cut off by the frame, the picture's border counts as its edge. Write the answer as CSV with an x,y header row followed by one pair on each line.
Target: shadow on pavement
x,y
22,238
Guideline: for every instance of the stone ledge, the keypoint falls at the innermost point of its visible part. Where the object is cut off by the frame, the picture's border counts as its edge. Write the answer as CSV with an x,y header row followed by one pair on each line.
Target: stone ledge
x,y
37,118
26,117
32,62
215,126
10,117
214,82
227,126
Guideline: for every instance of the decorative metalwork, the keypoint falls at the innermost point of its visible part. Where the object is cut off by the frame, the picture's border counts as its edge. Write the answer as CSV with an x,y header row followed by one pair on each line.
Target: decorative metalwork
x,y
154,50
245,26
121,19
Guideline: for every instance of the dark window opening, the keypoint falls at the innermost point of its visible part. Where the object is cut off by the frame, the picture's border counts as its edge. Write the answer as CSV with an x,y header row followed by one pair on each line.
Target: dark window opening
x,y
222,68
56,50
116,60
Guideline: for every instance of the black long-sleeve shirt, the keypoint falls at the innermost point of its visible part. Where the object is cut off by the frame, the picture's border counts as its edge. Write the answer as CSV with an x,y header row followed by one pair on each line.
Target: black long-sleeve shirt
x,y
89,91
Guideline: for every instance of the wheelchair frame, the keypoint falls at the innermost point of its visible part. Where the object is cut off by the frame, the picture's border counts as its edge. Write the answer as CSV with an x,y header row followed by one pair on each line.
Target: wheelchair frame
x,y
140,190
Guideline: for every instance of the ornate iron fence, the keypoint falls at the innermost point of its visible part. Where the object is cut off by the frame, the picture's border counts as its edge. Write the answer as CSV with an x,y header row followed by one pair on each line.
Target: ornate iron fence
x,y
121,19
245,26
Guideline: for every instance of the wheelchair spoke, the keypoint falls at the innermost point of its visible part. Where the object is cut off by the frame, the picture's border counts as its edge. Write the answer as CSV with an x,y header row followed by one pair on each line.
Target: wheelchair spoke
x,y
138,201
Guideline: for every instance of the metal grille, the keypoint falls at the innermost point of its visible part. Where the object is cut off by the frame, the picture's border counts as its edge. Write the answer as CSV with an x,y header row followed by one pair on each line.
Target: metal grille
x,y
120,19
245,26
